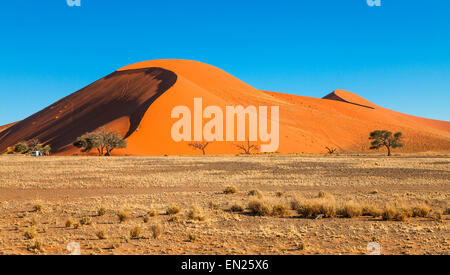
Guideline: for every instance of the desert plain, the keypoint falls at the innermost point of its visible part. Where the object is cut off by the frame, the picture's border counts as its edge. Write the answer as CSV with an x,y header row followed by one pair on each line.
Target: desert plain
x,y
217,204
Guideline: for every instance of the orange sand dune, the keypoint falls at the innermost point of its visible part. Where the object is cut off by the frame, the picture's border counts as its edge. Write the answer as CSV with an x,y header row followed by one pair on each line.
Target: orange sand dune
x,y
137,100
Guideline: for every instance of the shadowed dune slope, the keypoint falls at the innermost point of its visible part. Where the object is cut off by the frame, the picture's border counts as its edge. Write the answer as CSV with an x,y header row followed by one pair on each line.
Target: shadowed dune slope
x,y
137,100
117,102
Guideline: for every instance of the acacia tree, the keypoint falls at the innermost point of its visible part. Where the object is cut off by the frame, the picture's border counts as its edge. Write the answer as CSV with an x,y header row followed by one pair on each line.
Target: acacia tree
x,y
385,138
104,142
247,147
26,147
200,146
113,141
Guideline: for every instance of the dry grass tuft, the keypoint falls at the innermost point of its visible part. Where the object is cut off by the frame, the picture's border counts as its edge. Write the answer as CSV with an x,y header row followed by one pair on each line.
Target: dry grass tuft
x,y
69,222
101,235
196,214
422,211
153,213
350,209
31,233
37,208
279,210
230,190
123,216
136,232
86,220
35,246
156,230
173,209
313,208
371,211
259,208
237,207
256,193
101,211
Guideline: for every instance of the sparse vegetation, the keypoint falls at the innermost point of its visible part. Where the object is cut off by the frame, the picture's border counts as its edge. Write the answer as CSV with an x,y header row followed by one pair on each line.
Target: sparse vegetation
x,y
247,148
237,207
256,193
86,220
69,222
101,211
230,190
196,214
123,216
35,246
156,230
384,138
331,150
136,232
200,146
350,209
104,142
30,233
173,209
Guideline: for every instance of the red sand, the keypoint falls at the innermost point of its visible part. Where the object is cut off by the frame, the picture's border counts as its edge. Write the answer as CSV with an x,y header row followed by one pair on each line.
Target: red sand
x,y
132,104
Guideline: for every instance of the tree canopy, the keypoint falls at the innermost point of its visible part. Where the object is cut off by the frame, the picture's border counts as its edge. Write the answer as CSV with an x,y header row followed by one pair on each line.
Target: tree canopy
x,y
384,138
104,142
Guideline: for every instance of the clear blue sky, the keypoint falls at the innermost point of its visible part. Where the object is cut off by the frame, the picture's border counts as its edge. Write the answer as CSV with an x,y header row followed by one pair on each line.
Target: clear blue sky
x,y
396,55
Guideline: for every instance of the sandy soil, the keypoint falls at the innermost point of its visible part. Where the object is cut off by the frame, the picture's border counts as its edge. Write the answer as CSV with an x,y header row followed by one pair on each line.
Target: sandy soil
x,y
39,195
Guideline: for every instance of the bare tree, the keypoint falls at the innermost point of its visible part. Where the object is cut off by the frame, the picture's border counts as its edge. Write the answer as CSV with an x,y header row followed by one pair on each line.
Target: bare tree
x,y
200,146
247,147
331,150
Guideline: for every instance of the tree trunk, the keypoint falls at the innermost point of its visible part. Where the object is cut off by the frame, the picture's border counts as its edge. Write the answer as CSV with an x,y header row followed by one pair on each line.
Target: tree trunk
x,y
389,150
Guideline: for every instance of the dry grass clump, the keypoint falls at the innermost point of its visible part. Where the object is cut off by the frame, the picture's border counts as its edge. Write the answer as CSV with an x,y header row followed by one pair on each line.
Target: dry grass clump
x,y
279,210
213,205
230,190
174,219
279,194
192,237
312,208
422,211
31,233
35,246
259,208
196,214
156,230
371,211
237,207
76,225
136,232
256,193
101,235
86,220
101,211
37,208
350,209
146,219
69,222
396,213
153,213
447,211
123,216
323,194
173,209
267,208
